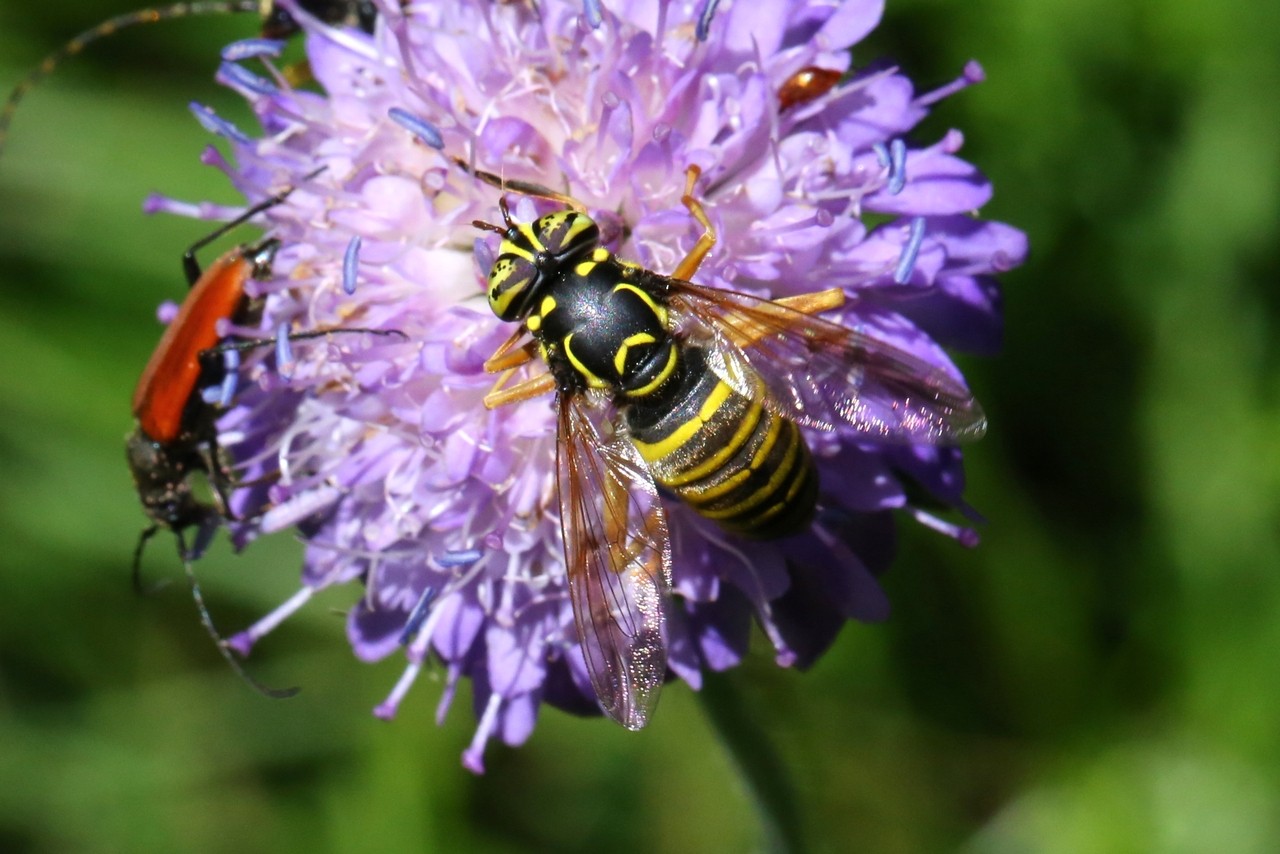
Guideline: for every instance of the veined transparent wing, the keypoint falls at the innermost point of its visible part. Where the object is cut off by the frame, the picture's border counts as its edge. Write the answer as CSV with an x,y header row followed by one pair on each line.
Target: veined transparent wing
x,y
824,375
618,557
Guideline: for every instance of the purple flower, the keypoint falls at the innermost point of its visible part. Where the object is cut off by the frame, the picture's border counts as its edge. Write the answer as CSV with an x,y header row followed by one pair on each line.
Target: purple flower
x,y
381,453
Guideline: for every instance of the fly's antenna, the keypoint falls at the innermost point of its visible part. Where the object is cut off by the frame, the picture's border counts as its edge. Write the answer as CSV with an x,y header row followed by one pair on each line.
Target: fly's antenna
x,y
428,134
218,639
107,28
515,185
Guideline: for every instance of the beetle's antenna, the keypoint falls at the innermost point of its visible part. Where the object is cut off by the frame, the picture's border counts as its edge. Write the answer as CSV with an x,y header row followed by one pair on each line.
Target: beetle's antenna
x,y
219,641
107,28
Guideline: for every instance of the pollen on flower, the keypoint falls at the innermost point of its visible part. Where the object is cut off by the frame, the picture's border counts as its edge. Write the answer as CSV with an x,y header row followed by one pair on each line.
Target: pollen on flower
x,y
381,453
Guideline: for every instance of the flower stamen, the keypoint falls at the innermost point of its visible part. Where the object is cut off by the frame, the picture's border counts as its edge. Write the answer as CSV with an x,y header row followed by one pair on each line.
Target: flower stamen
x,y
910,251
242,642
217,125
350,265
252,49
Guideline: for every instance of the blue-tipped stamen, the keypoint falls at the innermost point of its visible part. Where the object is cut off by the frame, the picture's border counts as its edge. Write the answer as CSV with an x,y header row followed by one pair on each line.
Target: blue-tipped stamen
x,y
964,535
704,20
455,558
450,559
882,154
350,265
241,78
284,350
231,366
417,616
897,166
419,127
252,49
591,10
910,250
215,124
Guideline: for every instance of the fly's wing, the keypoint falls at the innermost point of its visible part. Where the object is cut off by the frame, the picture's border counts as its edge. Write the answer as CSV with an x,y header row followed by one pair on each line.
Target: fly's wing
x,y
824,375
618,558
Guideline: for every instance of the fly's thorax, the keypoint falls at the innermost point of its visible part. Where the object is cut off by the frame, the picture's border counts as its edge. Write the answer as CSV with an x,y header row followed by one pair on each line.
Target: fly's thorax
x,y
610,331
534,255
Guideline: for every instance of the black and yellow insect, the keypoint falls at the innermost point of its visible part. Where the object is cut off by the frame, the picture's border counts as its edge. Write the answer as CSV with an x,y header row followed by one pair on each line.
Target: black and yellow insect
x,y
697,391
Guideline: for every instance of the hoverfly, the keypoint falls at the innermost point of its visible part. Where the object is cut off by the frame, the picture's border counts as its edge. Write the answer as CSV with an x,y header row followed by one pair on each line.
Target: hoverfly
x,y
708,390
277,23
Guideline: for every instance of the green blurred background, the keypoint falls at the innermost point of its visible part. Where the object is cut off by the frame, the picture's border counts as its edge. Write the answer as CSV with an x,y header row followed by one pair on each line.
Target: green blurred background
x,y
1100,675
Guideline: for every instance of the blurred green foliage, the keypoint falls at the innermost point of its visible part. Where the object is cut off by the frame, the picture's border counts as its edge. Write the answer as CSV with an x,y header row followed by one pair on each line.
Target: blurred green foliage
x,y
1097,676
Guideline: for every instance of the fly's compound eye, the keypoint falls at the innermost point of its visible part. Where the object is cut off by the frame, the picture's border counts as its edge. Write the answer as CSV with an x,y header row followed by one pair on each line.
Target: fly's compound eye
x,y
512,284
535,253
565,235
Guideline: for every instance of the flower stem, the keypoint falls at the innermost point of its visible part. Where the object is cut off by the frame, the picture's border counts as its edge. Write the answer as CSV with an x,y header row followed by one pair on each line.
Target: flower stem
x,y
757,761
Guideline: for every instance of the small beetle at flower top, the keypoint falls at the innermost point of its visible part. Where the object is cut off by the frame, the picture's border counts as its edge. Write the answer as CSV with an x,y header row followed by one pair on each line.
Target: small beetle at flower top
x,y
807,84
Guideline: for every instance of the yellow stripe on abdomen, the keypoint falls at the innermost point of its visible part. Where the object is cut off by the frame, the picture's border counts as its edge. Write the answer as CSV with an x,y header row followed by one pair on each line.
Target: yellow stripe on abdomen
x,y
734,461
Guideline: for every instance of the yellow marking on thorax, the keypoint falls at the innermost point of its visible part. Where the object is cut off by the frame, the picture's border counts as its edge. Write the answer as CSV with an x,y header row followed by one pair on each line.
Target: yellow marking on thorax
x,y
659,310
548,305
600,255
620,357
592,380
584,268
667,370
534,323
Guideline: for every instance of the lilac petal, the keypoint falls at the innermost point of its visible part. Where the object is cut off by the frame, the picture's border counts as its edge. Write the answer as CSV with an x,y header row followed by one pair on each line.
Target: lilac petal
x,y
937,184
940,470
683,658
517,719
750,27
516,660
964,312
562,690
460,622
873,111
723,630
847,584
860,480
374,633
804,621
851,23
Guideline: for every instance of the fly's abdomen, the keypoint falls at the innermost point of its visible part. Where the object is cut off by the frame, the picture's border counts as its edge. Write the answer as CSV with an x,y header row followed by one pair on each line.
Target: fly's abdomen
x,y
728,457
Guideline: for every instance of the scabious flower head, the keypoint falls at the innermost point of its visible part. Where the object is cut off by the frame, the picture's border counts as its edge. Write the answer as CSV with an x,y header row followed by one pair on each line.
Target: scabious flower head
x,y
379,450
